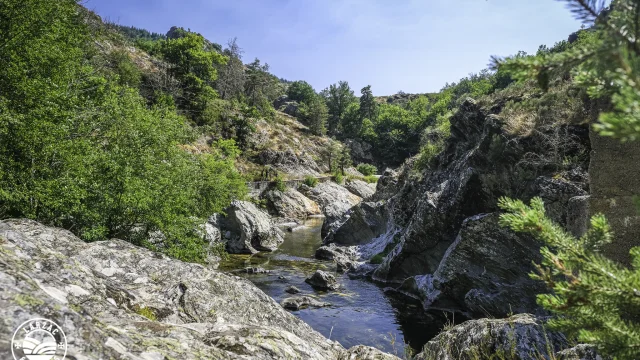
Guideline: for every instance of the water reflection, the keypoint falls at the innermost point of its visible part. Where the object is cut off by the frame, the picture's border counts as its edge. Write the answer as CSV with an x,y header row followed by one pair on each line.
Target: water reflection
x,y
361,313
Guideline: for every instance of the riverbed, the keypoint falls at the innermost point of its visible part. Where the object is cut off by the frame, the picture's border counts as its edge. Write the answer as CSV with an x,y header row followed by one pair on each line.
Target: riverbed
x,y
361,313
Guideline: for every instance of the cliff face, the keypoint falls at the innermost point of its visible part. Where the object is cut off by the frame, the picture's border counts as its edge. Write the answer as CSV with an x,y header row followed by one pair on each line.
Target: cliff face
x,y
451,253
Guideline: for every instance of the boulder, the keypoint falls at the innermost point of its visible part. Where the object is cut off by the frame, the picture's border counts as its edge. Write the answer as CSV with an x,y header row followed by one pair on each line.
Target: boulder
x,y
250,229
366,221
518,337
114,300
302,302
360,188
322,280
485,272
253,270
292,290
335,202
346,258
291,204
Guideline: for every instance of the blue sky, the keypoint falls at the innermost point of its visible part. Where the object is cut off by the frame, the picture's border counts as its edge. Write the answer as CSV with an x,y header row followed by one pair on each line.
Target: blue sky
x,y
411,45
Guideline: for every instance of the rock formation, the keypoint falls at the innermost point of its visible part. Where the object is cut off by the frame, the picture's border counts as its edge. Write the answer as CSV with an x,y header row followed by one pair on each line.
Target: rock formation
x,y
114,300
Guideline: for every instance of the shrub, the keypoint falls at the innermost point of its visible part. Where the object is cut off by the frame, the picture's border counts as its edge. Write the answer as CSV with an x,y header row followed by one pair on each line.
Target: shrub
x,y
280,184
427,154
371,179
338,177
310,181
367,169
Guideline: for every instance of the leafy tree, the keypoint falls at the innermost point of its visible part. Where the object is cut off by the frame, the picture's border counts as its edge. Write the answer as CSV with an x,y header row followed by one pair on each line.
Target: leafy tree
x,y
79,151
338,97
193,66
351,121
596,298
301,91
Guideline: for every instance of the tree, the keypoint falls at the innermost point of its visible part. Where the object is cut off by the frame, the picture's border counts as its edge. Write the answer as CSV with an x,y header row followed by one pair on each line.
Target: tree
x,y
315,114
301,91
231,79
193,66
260,86
82,152
597,299
344,161
368,105
338,97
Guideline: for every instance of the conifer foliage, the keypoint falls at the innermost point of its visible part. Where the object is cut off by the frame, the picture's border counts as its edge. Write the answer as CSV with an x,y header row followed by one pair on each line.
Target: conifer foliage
x,y
597,299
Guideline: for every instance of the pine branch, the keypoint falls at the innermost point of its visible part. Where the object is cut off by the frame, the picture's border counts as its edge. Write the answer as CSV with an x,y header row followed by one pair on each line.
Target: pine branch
x,y
586,11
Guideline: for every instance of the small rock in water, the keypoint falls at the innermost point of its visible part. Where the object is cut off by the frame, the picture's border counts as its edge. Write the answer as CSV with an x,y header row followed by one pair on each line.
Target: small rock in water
x,y
292,290
322,280
254,270
301,302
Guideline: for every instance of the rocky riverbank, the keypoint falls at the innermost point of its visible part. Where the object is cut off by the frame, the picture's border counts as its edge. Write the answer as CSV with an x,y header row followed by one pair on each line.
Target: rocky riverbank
x,y
116,300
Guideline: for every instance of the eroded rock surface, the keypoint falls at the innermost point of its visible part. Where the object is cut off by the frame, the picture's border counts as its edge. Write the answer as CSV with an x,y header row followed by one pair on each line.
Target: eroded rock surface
x,y
248,229
322,280
302,302
518,337
360,188
118,301
335,202
291,204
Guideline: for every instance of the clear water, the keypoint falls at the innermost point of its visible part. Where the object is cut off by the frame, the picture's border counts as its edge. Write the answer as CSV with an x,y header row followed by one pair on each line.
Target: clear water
x,y
361,313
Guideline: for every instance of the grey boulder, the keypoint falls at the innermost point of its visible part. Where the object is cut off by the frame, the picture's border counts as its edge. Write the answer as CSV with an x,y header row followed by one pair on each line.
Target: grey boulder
x,y
302,302
250,229
322,280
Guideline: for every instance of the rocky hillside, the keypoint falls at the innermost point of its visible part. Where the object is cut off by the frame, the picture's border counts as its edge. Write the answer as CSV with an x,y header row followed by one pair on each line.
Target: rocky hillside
x,y
118,301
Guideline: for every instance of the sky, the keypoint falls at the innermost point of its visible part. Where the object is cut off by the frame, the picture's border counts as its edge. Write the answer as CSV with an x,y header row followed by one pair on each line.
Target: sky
x,y
415,46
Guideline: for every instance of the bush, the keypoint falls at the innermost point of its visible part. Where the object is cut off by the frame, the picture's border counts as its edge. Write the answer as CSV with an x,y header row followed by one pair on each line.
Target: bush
x,y
427,154
367,169
310,181
280,184
371,179
338,178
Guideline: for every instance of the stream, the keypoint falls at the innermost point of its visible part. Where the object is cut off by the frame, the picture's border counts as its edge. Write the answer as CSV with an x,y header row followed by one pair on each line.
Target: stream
x,y
361,313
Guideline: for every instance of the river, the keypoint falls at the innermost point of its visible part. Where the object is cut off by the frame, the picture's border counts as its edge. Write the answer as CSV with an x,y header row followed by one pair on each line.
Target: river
x,y
361,313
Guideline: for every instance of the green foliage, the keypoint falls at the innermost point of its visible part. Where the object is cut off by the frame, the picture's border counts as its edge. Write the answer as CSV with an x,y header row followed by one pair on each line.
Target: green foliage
x,y
261,88
427,153
603,61
194,67
338,97
82,152
128,73
280,185
367,169
314,114
379,258
310,181
301,91
338,177
344,160
596,298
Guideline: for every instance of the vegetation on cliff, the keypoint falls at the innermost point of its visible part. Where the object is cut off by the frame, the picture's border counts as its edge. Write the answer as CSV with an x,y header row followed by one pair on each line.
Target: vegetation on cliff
x,y
596,299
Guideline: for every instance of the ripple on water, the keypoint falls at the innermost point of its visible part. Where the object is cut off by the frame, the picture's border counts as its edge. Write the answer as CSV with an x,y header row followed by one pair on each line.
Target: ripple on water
x,y
360,313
